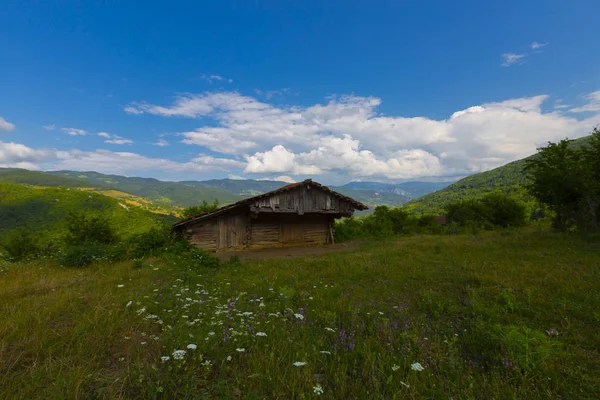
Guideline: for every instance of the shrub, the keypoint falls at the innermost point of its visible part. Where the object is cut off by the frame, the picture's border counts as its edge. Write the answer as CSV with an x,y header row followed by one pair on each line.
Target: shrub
x,y
150,243
81,255
89,228
490,211
201,209
20,244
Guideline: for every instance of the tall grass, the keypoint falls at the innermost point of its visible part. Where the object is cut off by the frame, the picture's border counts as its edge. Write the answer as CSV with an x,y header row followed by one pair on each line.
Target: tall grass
x,y
511,314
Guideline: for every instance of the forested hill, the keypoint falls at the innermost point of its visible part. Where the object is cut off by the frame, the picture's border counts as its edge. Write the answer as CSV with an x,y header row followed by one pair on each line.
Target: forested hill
x,y
164,193
44,210
509,178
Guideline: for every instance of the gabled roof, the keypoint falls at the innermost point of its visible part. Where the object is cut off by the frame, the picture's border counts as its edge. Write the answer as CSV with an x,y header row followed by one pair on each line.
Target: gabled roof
x,y
357,204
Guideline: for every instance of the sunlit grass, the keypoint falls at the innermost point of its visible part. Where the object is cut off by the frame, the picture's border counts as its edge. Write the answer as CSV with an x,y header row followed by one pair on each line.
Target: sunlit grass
x,y
499,315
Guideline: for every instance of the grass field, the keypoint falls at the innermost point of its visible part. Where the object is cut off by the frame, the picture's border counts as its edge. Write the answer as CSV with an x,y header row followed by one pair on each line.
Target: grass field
x,y
513,314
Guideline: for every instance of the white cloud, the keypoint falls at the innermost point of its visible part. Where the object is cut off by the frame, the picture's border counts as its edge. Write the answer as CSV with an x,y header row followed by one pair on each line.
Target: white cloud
x,y
128,163
114,139
74,131
49,127
284,178
536,45
512,59
593,104
161,143
347,138
118,140
5,125
212,78
16,155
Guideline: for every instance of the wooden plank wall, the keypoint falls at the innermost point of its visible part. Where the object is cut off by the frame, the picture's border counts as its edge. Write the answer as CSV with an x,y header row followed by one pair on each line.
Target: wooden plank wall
x,y
277,230
227,232
304,200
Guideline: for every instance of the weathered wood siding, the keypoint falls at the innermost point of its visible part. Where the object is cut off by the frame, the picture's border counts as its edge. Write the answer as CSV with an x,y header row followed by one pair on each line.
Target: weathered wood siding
x,y
303,200
227,232
277,230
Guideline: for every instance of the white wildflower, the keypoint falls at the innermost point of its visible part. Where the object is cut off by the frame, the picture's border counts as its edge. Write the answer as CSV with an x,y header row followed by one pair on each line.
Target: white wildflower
x,y
142,343
299,363
261,304
211,333
240,350
395,367
228,358
179,354
261,334
299,316
165,358
417,367
325,352
330,329
404,384
318,390
130,303
119,286
192,346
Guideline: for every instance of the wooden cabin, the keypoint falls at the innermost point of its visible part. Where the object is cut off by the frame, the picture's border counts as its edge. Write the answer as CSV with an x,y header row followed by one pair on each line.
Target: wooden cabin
x,y
302,213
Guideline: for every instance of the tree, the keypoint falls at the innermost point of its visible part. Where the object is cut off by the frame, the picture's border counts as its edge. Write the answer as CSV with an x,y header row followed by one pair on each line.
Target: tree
x,y
85,228
201,209
567,181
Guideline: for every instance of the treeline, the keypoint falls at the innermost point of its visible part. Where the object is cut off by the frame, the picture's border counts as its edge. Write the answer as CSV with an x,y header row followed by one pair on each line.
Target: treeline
x,y
494,210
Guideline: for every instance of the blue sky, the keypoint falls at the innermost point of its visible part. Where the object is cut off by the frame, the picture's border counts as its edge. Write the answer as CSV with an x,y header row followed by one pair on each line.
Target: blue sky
x,y
336,90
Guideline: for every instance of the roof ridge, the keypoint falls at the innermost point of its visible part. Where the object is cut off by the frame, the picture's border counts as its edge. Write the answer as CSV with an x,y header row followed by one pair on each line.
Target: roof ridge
x,y
358,205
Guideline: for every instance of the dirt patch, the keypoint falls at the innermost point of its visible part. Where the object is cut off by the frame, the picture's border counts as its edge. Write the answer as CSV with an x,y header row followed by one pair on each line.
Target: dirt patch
x,y
290,252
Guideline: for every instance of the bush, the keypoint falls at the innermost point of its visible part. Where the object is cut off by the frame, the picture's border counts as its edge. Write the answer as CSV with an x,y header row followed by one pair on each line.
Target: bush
x,y
201,209
385,222
81,255
490,211
20,244
150,243
89,228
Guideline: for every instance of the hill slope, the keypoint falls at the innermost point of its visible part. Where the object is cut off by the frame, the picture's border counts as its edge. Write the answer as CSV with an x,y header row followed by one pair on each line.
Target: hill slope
x,y
164,193
43,210
509,178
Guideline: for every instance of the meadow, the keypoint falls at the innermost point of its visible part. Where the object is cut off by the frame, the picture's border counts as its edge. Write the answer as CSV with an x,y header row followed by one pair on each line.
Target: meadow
x,y
504,314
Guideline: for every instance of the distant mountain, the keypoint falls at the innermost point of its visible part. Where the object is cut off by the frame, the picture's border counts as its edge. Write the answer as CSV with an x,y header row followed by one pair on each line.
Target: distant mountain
x,y
410,189
249,187
509,178
245,188
164,193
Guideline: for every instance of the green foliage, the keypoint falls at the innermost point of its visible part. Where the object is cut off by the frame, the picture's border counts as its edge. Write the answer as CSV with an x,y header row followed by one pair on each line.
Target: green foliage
x,y
85,227
566,179
492,210
200,209
81,255
509,179
150,243
385,222
45,212
527,348
19,244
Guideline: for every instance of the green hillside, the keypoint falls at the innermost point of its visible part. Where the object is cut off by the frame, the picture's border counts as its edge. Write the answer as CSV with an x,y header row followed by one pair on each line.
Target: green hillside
x,y
43,210
509,179
36,178
164,193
